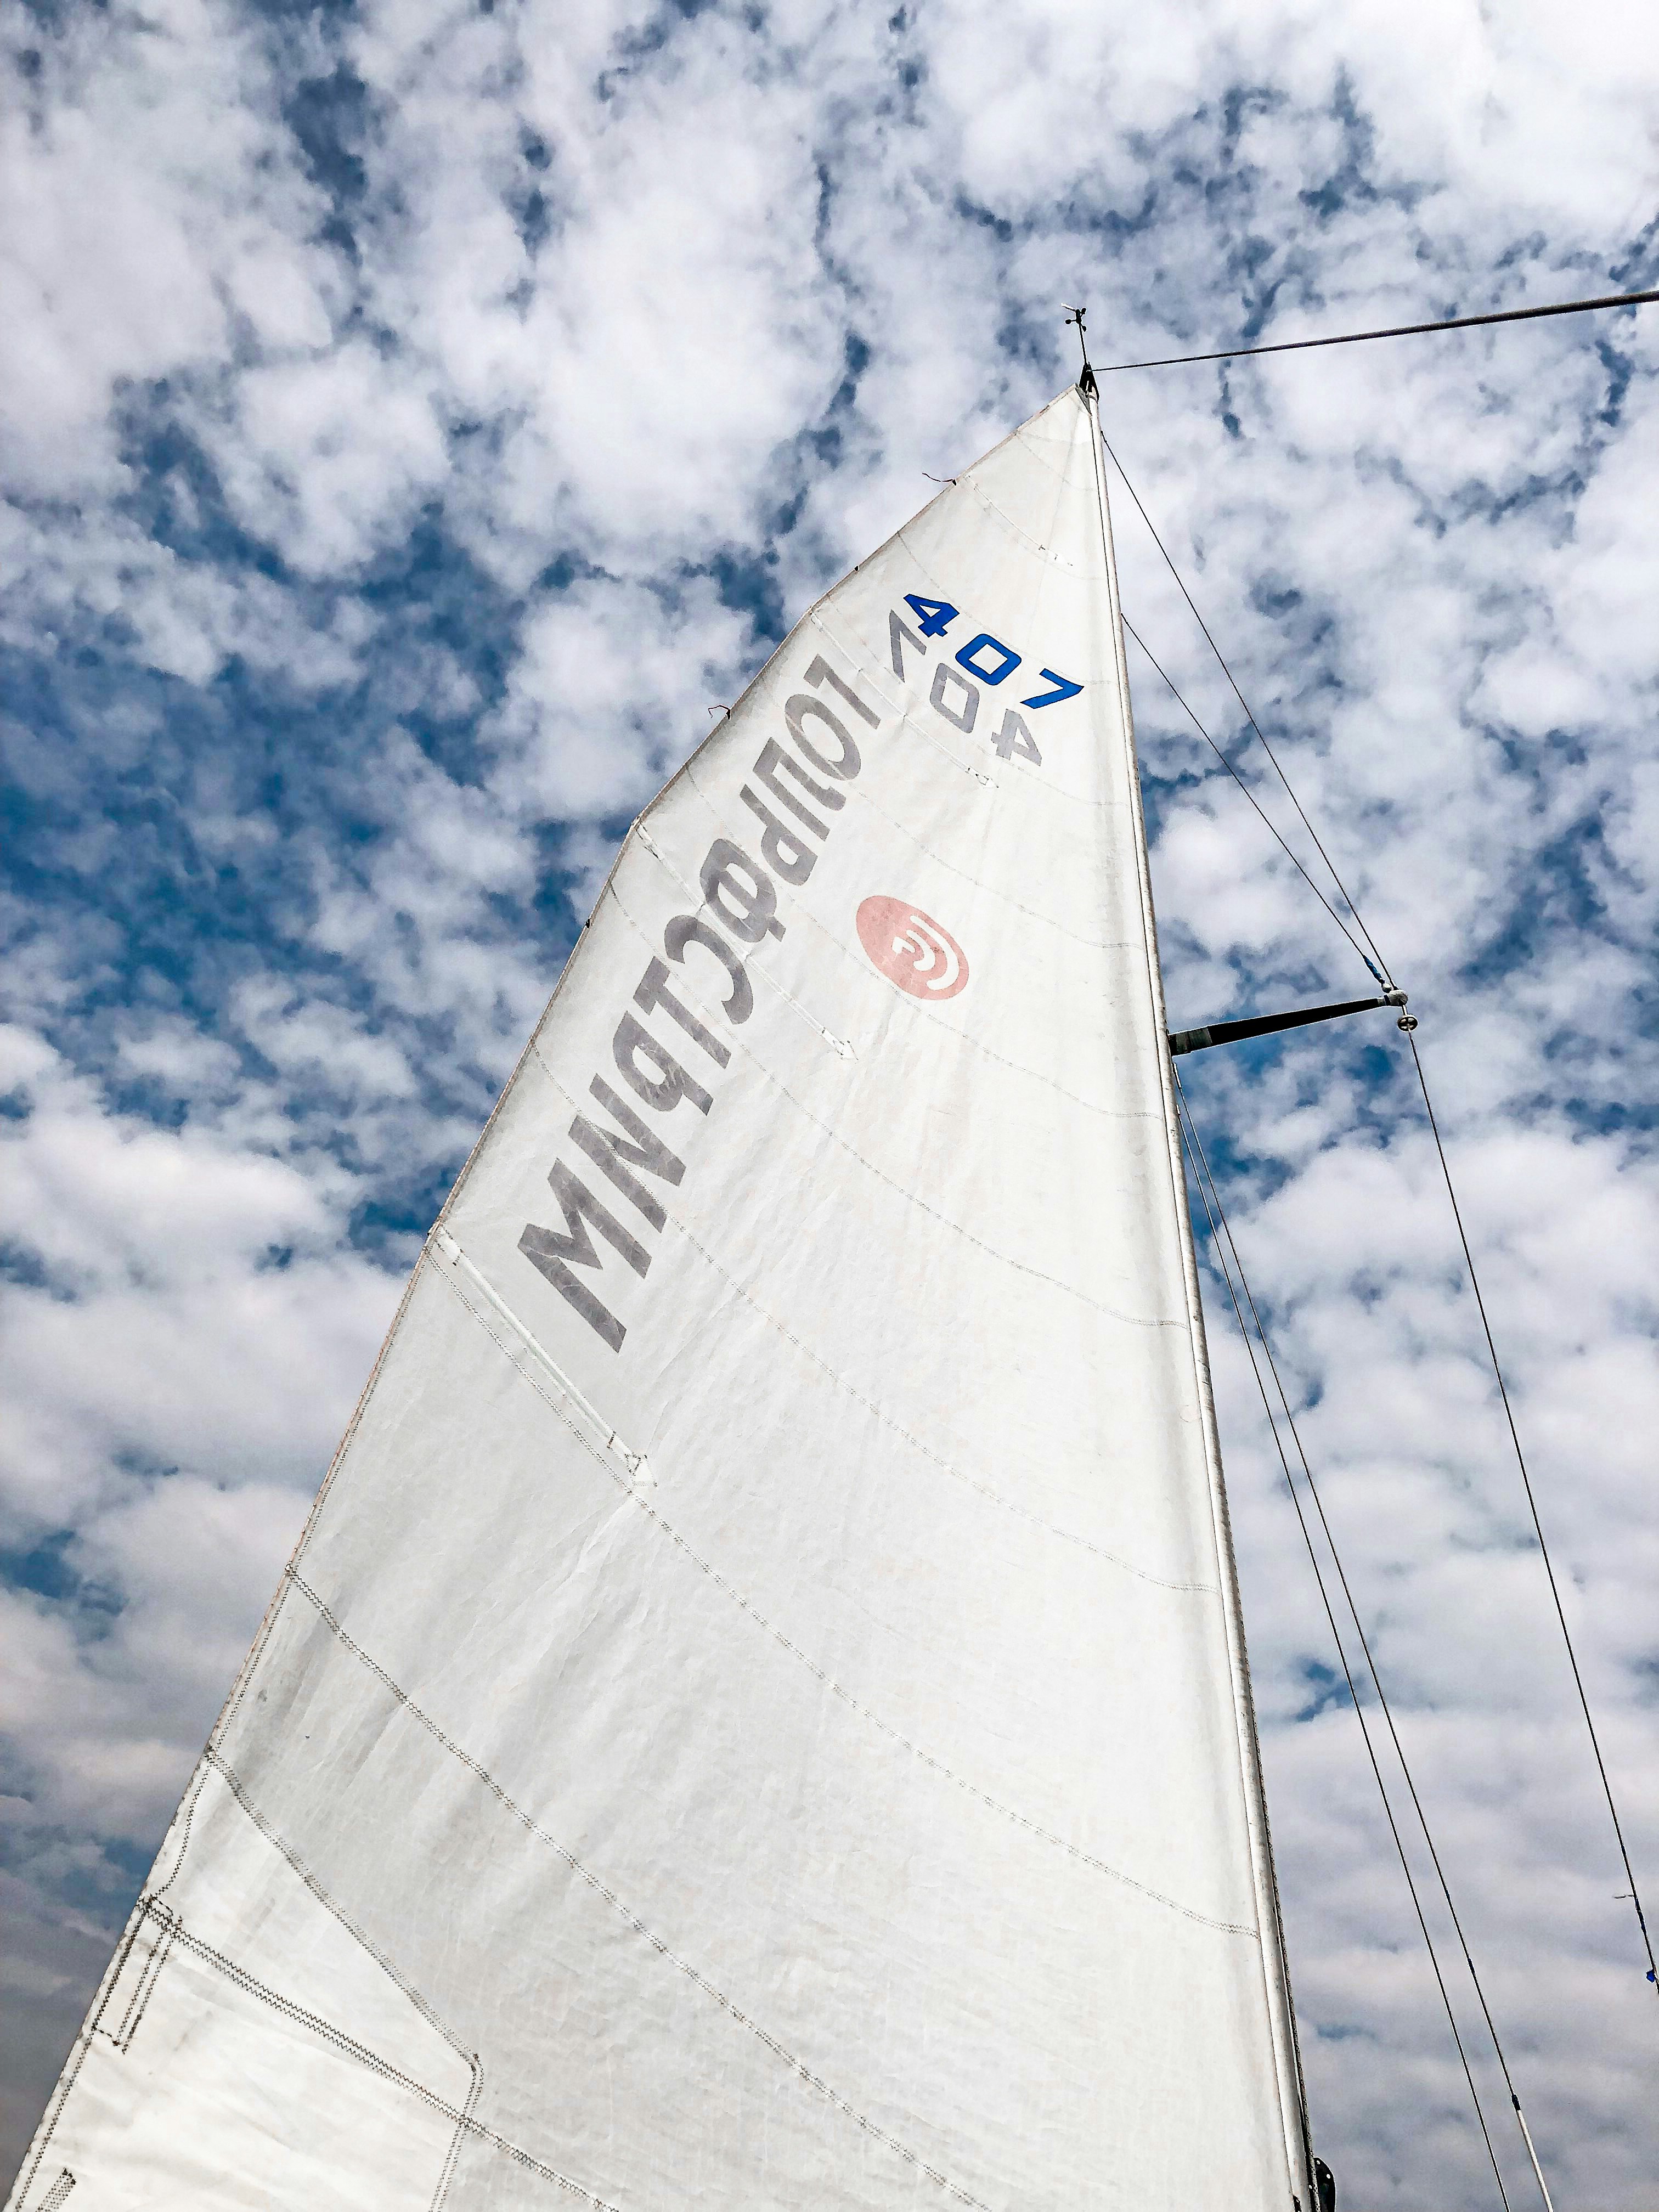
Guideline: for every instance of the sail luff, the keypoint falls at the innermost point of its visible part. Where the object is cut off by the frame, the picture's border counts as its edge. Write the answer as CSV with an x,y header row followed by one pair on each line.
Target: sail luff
x,y
1298,2149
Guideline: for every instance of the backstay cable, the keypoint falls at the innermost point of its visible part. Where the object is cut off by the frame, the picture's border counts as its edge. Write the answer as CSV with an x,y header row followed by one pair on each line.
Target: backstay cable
x,y
1210,1199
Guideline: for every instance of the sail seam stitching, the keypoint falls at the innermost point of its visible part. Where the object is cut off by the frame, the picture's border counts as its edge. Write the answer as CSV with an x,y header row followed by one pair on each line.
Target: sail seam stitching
x,y
372,2060
876,681
842,1383
919,1010
454,1258
47,2131
586,1875
1021,1266
840,1045
428,2012
1033,914
238,1789
963,1036
829,1682
984,1489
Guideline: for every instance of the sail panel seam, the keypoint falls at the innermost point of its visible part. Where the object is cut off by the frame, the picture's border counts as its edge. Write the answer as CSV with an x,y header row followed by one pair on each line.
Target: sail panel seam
x,y
594,1882
279,1844
985,1490
898,708
363,2055
842,1383
821,1674
912,1198
841,1046
919,1009
428,2011
1017,530
993,890
858,795
453,1257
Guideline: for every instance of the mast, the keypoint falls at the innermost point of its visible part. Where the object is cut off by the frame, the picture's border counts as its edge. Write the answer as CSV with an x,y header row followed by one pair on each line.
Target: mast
x,y
1292,2093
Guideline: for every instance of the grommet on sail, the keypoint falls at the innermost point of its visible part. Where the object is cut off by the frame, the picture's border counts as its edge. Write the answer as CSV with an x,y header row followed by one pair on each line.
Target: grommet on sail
x,y
759,1713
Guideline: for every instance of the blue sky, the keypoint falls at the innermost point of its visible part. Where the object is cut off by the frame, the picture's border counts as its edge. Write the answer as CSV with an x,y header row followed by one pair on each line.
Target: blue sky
x,y
418,418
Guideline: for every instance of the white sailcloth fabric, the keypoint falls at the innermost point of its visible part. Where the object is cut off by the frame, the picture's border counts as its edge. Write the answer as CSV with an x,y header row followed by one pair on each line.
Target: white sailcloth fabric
x,y
757,1718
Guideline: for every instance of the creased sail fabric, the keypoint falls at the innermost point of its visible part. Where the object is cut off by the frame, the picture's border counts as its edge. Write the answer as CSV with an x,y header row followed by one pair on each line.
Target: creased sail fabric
x,y
757,1718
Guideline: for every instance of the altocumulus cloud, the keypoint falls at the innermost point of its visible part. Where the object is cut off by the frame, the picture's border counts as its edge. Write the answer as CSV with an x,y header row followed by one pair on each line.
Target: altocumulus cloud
x,y
416,418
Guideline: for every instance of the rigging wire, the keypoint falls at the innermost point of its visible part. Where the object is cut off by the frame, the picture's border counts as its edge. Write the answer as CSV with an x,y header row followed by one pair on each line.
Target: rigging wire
x,y
1385,977
1249,793
1398,330
1532,1507
1381,971
1383,974
1210,1199
1370,1662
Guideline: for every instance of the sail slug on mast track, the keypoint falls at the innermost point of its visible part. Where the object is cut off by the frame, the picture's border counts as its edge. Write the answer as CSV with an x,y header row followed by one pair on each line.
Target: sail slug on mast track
x,y
759,1711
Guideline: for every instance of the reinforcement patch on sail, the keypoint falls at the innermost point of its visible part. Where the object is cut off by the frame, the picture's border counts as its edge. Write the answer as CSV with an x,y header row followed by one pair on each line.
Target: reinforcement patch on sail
x,y
751,1721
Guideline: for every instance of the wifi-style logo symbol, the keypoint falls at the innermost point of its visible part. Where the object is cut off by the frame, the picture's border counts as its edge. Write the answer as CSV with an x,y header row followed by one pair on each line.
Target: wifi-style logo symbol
x,y
911,949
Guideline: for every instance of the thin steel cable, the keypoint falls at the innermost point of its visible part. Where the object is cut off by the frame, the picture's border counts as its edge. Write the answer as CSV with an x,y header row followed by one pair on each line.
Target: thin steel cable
x,y
1532,1507
1266,818
1342,888
1549,1568
1202,1176
1397,330
1376,1679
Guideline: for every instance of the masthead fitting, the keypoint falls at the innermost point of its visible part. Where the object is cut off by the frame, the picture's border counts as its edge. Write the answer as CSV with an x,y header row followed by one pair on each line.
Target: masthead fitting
x,y
1079,318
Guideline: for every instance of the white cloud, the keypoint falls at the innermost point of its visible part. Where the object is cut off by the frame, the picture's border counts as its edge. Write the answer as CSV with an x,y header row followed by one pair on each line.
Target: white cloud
x,y
613,688
605,276
324,457
152,191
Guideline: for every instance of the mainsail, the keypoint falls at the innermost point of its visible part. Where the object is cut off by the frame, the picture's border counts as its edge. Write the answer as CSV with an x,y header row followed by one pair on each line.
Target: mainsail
x,y
758,1716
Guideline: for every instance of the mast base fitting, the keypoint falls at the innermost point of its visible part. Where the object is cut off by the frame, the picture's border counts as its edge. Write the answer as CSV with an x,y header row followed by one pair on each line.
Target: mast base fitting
x,y
1406,1022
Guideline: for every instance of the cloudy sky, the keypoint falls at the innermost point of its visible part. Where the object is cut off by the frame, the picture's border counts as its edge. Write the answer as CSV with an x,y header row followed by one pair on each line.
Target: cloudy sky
x,y
417,415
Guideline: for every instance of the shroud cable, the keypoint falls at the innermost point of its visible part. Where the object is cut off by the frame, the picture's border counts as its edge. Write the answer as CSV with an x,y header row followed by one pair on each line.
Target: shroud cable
x,y
1370,1662
1532,1507
1221,659
1210,1199
1382,971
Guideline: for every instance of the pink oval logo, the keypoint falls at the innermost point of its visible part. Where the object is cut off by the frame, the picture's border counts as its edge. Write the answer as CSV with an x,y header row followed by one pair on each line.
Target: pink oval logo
x,y
911,950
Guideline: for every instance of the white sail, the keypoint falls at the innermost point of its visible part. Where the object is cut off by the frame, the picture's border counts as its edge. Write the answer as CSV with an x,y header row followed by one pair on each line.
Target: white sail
x,y
758,1717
